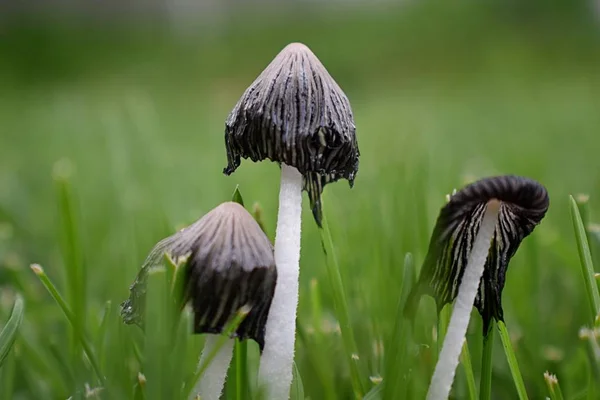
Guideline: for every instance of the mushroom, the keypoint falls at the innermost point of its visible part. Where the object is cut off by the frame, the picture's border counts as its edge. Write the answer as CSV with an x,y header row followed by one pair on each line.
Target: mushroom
x,y
295,114
476,234
230,266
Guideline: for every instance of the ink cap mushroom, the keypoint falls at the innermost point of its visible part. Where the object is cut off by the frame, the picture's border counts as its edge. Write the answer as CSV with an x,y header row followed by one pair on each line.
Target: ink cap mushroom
x,y
476,234
230,266
294,114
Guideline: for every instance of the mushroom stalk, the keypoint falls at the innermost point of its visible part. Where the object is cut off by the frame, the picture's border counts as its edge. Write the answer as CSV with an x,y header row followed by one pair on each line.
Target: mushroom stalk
x,y
443,376
211,383
276,362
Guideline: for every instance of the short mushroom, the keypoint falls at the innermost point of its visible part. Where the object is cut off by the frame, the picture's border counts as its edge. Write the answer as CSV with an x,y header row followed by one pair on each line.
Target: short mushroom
x,y
295,114
230,266
476,234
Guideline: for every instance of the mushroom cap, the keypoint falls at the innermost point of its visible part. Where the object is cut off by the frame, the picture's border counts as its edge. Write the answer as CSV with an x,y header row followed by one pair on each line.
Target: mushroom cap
x,y
524,203
295,113
230,265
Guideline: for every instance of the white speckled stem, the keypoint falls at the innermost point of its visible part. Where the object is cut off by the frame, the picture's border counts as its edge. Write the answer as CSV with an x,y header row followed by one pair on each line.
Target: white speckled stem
x,y
211,383
276,362
443,376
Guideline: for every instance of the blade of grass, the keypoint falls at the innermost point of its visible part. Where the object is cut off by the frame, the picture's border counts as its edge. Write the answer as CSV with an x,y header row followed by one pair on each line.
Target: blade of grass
x,y
237,196
375,393
591,336
512,361
297,390
240,357
80,334
396,358
465,359
587,268
593,231
10,330
553,386
318,357
341,307
157,329
442,326
7,377
71,247
485,388
101,335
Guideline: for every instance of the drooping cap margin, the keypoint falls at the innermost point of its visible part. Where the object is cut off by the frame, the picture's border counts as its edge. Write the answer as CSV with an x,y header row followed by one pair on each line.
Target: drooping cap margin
x,y
524,203
295,113
230,265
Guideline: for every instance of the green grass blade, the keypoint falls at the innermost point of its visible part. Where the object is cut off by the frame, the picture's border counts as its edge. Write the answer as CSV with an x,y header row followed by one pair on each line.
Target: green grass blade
x,y
297,390
341,307
375,393
318,357
102,329
240,373
465,359
485,388
71,247
80,334
592,339
396,364
553,386
158,335
7,377
587,267
237,196
512,361
8,334
442,326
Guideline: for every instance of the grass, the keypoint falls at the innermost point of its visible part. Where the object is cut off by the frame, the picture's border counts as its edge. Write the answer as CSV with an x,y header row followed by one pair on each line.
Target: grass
x,y
140,126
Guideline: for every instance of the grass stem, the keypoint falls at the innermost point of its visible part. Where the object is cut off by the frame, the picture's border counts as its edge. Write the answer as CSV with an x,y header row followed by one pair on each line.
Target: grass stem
x,y
585,256
485,388
512,361
79,332
341,307
465,359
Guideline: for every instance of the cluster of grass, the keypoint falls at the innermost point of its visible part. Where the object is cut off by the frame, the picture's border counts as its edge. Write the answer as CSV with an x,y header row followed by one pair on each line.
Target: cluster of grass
x,y
103,156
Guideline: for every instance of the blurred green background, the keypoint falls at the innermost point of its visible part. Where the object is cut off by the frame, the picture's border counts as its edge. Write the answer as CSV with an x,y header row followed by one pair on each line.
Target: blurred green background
x,y
442,94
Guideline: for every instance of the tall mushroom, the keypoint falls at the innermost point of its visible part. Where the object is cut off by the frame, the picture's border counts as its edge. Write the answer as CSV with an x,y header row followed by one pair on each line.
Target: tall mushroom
x,y
231,265
295,114
475,236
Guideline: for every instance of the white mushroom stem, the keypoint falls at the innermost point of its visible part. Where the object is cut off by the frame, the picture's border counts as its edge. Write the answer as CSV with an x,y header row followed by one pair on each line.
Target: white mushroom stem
x,y
275,371
443,376
211,383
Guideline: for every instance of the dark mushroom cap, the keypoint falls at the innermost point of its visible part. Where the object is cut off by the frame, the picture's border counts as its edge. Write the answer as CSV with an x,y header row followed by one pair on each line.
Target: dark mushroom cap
x,y
230,265
523,204
295,113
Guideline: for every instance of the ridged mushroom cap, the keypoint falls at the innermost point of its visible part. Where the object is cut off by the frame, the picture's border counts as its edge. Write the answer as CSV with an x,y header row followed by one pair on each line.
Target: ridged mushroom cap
x,y
230,265
523,204
295,113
